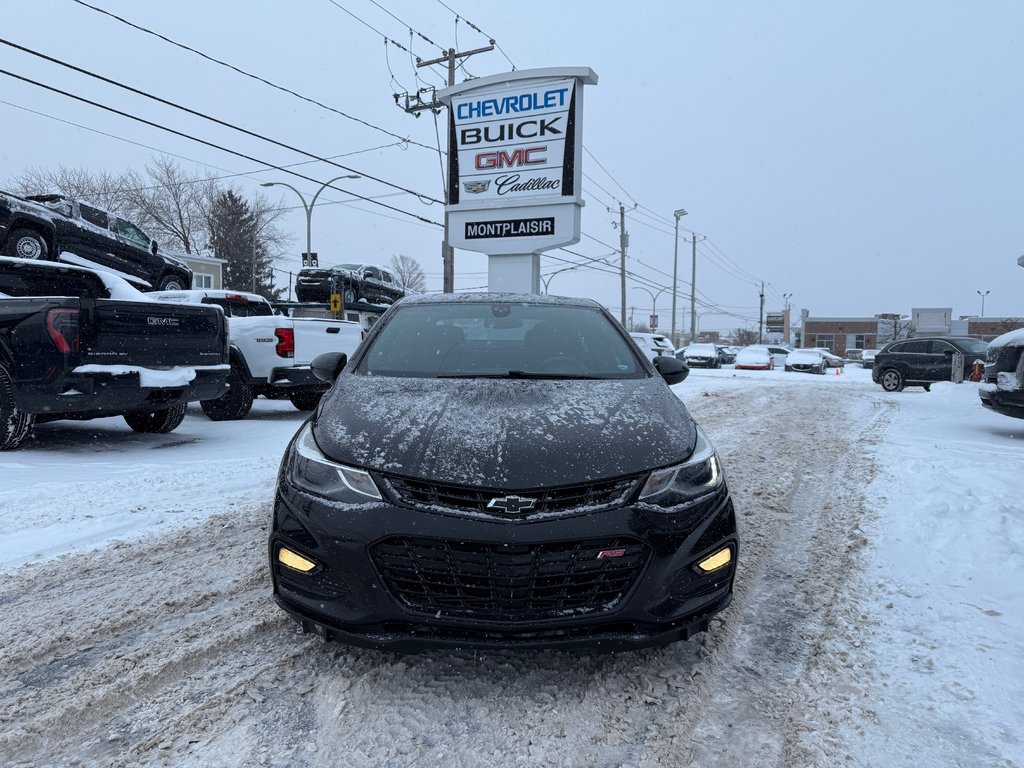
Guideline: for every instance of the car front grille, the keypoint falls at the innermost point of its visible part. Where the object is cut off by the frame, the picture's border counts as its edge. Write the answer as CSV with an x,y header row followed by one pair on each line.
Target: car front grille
x,y
590,497
501,583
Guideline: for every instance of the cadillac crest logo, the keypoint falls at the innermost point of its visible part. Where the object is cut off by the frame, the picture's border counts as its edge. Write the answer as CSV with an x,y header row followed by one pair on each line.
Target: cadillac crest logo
x,y
476,187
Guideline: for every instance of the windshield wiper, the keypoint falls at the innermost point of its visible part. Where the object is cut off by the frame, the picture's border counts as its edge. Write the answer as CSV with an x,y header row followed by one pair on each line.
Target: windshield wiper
x,y
515,374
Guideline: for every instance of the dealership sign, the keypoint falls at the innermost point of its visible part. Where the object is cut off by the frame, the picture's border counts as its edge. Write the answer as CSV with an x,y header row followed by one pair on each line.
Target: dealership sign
x,y
514,160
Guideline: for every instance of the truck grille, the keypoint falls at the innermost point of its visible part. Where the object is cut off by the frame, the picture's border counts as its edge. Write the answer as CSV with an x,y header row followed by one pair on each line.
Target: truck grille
x,y
604,494
508,582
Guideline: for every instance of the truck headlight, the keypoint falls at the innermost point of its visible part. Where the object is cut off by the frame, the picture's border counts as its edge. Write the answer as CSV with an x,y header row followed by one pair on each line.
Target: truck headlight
x,y
313,472
698,476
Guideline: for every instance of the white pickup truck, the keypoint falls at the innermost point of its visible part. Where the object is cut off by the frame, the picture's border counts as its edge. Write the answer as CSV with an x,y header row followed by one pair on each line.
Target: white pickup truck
x,y
270,354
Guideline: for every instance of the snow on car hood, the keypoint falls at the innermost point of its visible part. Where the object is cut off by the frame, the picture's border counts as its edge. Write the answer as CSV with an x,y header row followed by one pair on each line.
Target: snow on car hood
x,y
504,433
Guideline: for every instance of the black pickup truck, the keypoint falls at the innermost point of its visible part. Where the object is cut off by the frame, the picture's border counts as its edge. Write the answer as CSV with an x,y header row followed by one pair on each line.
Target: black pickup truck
x,y
355,282
80,344
56,227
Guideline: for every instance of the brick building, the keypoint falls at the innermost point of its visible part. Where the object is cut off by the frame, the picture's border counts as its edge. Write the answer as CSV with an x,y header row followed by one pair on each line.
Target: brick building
x,y
840,334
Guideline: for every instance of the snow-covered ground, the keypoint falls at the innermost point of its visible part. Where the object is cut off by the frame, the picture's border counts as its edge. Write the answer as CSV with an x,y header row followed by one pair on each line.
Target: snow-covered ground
x,y
877,619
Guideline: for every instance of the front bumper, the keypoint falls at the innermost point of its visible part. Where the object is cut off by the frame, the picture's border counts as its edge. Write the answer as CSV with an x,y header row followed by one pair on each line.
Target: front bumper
x,y
353,596
1002,401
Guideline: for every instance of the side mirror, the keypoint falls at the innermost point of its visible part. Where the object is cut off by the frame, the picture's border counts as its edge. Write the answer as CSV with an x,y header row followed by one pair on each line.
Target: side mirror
x,y
329,365
153,247
672,369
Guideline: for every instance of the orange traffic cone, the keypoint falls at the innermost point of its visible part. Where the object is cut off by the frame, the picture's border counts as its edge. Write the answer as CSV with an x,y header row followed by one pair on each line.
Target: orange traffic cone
x,y
838,370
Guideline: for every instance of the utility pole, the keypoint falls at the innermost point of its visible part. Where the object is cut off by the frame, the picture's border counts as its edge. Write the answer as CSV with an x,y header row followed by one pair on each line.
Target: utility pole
x,y
623,243
760,319
675,271
414,104
693,287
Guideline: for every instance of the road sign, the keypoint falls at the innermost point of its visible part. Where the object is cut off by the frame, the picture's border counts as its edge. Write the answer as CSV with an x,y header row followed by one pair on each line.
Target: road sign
x,y
335,302
654,322
310,260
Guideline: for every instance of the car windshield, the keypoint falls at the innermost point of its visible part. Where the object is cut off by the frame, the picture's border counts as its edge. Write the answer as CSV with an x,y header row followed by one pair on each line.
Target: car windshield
x,y
348,267
500,340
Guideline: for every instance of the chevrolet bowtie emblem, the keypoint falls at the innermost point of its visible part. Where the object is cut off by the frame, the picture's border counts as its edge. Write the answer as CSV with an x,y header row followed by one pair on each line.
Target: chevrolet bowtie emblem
x,y
511,504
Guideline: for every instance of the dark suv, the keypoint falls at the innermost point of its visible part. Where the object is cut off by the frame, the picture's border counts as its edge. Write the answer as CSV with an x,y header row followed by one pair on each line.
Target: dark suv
x,y
919,362
355,283
55,227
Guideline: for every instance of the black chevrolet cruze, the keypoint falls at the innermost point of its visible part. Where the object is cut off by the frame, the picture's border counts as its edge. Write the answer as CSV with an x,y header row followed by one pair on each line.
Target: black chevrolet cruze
x,y
496,470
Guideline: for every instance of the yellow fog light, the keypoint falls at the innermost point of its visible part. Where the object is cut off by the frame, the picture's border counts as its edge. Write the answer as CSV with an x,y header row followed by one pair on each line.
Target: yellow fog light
x,y
714,562
294,560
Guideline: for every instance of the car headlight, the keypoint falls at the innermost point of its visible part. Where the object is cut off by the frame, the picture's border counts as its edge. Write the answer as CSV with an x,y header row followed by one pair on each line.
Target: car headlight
x,y
311,471
698,476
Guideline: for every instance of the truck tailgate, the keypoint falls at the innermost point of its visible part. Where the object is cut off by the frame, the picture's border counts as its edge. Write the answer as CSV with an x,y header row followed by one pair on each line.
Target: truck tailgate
x,y
314,337
153,335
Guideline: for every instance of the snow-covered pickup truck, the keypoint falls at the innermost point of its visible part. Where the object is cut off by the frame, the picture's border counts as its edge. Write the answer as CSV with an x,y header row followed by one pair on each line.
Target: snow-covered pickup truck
x,y
55,227
76,343
270,354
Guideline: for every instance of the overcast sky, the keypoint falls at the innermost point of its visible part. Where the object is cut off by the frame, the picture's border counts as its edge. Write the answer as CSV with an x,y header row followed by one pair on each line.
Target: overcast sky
x,y
864,156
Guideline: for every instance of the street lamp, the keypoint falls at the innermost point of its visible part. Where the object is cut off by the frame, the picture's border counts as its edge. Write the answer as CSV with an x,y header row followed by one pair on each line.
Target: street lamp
x,y
983,295
654,299
675,271
309,208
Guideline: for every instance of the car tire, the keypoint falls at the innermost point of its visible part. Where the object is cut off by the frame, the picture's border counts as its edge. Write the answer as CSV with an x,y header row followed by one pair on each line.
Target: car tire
x,y
15,424
236,402
157,422
892,380
171,283
26,244
305,401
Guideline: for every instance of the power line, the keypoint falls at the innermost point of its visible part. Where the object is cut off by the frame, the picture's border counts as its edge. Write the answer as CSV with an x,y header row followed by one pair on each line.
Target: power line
x,y
250,75
208,143
215,120
610,176
474,27
409,26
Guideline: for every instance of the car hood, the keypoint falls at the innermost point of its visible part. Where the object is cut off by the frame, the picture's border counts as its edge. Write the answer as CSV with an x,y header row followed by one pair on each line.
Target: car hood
x,y
509,434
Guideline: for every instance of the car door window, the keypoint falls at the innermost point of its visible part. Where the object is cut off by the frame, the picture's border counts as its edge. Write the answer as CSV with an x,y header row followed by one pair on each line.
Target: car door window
x,y
939,347
914,347
387,278
371,274
94,216
131,233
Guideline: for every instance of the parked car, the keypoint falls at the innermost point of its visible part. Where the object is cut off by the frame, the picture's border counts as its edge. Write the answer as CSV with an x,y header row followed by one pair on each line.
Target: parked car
x,y
270,353
806,361
355,282
1003,388
832,360
80,344
755,358
779,354
867,358
654,344
702,356
60,228
438,497
921,362
727,354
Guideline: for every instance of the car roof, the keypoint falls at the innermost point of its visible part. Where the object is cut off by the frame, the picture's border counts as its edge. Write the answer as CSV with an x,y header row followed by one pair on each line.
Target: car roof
x,y
495,298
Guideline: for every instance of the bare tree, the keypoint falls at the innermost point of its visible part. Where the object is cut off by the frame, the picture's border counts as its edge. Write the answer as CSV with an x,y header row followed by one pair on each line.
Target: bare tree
x,y
409,273
102,188
892,326
172,205
744,337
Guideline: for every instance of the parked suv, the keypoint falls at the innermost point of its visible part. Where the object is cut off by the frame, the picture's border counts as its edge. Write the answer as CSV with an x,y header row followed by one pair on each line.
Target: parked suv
x,y
1003,388
702,356
59,228
919,362
355,282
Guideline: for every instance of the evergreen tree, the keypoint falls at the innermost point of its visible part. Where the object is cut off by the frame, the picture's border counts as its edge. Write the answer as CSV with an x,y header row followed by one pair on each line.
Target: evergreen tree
x,y
235,237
